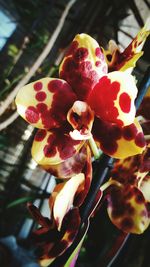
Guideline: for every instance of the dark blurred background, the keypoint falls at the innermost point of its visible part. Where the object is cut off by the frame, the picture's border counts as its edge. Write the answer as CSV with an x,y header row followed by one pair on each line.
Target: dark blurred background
x,y
26,26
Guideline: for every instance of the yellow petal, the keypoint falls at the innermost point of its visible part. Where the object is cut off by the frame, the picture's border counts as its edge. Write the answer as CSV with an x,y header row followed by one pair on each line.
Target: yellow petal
x,y
83,65
52,147
119,142
40,103
127,209
64,197
134,146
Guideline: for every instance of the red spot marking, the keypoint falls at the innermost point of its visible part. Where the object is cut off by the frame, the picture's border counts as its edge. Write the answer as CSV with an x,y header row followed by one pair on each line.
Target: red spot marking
x,y
127,224
118,212
139,198
66,146
56,114
62,142
97,63
85,67
98,52
125,102
80,54
40,135
109,146
129,132
32,114
73,165
140,140
41,96
80,76
55,85
102,97
49,151
102,131
69,66
37,86
42,107
72,48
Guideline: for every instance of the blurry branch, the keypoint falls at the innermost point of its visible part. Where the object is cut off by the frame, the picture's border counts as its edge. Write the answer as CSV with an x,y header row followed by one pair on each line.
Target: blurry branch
x,y
17,57
8,84
126,33
8,121
147,3
4,105
136,12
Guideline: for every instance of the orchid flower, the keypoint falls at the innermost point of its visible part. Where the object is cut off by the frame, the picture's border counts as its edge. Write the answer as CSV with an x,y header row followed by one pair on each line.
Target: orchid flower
x,y
129,194
127,59
51,242
85,103
84,111
57,233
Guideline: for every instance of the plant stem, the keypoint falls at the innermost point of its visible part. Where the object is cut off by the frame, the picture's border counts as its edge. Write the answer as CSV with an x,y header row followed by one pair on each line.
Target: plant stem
x,y
143,87
109,183
94,148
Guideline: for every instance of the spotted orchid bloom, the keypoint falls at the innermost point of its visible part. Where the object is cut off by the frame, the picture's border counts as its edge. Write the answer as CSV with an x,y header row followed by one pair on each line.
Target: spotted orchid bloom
x,y
129,197
85,107
51,242
85,103
56,234
126,60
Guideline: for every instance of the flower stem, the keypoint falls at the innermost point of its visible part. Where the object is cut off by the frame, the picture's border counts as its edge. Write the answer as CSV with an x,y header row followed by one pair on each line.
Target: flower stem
x,y
109,183
94,148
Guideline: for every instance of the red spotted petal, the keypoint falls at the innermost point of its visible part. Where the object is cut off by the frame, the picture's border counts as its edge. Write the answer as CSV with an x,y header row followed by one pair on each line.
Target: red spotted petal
x,y
68,167
53,147
72,192
119,142
112,99
52,243
81,117
40,103
83,65
127,209
132,170
125,170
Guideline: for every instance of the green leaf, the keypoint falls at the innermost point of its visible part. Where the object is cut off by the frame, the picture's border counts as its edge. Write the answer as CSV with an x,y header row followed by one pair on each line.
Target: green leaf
x,y
20,201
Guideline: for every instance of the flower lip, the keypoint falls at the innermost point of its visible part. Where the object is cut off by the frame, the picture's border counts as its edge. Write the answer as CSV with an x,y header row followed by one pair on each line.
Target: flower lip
x,y
81,118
